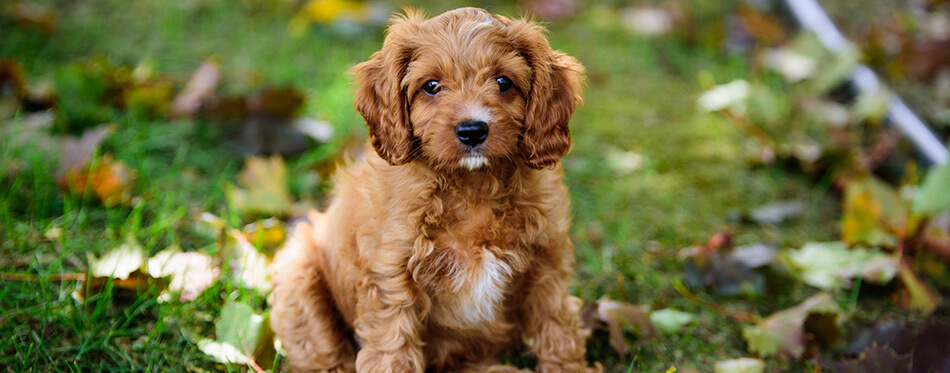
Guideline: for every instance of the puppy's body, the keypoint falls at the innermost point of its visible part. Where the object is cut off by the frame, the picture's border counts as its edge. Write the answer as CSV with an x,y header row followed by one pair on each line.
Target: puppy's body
x,y
442,251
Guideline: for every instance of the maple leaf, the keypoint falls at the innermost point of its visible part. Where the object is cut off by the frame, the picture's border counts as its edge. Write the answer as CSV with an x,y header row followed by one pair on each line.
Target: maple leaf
x,y
872,210
264,189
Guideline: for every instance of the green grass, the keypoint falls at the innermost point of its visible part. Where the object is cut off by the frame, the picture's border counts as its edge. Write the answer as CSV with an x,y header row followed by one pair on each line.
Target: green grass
x,y
640,98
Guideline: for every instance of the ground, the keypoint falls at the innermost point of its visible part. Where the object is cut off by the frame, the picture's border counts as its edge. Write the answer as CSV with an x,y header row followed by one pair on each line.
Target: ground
x,y
689,178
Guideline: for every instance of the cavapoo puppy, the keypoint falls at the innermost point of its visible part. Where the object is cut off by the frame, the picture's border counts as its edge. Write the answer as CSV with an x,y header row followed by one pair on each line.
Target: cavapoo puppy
x,y
448,246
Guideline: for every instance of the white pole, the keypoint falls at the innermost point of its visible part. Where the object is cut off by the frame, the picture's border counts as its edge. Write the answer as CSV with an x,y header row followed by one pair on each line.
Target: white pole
x,y
810,15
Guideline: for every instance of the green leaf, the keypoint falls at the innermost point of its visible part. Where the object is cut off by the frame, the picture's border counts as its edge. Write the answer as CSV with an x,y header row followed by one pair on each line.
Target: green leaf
x,y
670,321
831,265
933,194
742,365
240,331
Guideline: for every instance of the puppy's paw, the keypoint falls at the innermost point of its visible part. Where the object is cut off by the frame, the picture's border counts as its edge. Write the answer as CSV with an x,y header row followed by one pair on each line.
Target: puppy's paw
x,y
403,360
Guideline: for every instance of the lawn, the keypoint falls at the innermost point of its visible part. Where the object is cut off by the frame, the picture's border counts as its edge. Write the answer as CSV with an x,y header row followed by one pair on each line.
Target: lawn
x,y
650,174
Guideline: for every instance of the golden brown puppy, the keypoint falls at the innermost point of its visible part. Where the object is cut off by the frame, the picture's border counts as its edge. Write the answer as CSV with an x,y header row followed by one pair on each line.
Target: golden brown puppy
x,y
449,245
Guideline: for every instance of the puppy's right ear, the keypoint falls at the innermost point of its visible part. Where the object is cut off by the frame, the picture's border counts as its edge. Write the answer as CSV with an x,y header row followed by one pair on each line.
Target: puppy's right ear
x,y
381,96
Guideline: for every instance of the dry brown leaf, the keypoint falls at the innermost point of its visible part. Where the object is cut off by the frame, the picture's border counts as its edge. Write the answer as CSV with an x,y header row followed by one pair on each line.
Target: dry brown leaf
x,y
617,316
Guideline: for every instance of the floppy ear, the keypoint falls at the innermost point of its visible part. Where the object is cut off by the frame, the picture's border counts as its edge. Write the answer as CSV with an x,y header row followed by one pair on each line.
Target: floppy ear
x,y
555,91
381,97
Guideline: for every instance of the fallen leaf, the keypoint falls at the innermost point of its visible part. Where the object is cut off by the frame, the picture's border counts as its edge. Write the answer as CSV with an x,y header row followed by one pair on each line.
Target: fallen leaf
x,y
618,316
119,262
761,26
222,352
12,86
191,273
321,131
122,266
715,266
32,14
932,348
623,162
741,365
647,20
77,153
884,334
755,256
877,359
793,66
731,95
723,274
267,234
670,321
777,212
784,332
916,294
831,265
551,10
264,190
872,211
248,265
932,196
111,181
241,336
198,90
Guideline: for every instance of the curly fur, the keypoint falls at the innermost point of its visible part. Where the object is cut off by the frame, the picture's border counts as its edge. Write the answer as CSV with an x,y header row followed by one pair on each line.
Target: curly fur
x,y
434,255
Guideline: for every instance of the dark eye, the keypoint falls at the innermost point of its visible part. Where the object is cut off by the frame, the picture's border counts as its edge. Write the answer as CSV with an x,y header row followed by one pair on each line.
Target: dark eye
x,y
431,87
504,84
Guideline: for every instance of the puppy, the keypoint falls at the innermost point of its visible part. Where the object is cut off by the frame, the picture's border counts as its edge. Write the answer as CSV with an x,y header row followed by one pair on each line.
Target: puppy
x,y
448,246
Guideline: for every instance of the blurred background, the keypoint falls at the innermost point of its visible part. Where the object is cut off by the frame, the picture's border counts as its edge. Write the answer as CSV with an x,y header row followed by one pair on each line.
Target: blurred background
x,y
739,201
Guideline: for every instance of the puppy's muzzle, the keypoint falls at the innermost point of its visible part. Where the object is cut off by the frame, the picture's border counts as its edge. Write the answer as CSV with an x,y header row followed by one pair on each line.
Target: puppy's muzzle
x,y
471,132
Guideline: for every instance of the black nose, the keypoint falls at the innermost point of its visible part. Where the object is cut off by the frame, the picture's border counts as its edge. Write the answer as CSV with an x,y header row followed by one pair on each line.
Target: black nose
x,y
471,132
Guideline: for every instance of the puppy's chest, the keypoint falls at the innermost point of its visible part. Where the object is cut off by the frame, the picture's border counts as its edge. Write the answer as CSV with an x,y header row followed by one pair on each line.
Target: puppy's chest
x,y
476,259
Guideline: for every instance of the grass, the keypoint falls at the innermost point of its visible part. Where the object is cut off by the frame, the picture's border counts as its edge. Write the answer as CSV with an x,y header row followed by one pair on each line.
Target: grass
x,y
640,98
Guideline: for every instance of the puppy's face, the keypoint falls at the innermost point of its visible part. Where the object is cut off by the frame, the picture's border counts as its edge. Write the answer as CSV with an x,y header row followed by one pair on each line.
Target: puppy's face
x,y
468,90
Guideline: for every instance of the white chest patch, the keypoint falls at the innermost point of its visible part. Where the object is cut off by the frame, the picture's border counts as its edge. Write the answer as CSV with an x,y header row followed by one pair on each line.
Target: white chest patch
x,y
486,291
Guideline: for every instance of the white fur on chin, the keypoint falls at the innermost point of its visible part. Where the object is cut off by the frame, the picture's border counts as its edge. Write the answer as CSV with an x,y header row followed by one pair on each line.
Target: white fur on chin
x,y
472,162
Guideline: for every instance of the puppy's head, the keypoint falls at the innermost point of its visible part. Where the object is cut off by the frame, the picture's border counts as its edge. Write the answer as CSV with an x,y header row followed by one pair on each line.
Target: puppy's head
x,y
468,90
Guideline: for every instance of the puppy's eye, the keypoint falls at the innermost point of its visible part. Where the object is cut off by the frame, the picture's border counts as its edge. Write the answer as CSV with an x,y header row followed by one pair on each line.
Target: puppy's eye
x,y
504,84
431,87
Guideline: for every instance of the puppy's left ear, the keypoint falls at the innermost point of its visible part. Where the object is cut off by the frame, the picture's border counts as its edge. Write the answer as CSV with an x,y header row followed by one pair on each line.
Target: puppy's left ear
x,y
555,92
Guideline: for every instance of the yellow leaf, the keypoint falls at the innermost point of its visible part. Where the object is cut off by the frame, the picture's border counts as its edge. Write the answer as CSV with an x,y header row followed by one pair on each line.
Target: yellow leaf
x,y
264,190
916,294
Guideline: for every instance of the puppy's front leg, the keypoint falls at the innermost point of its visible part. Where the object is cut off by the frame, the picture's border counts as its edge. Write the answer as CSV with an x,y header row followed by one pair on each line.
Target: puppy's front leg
x,y
388,320
551,318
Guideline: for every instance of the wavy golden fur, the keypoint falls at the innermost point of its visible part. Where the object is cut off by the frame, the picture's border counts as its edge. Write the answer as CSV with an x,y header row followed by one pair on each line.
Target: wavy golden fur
x,y
436,255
